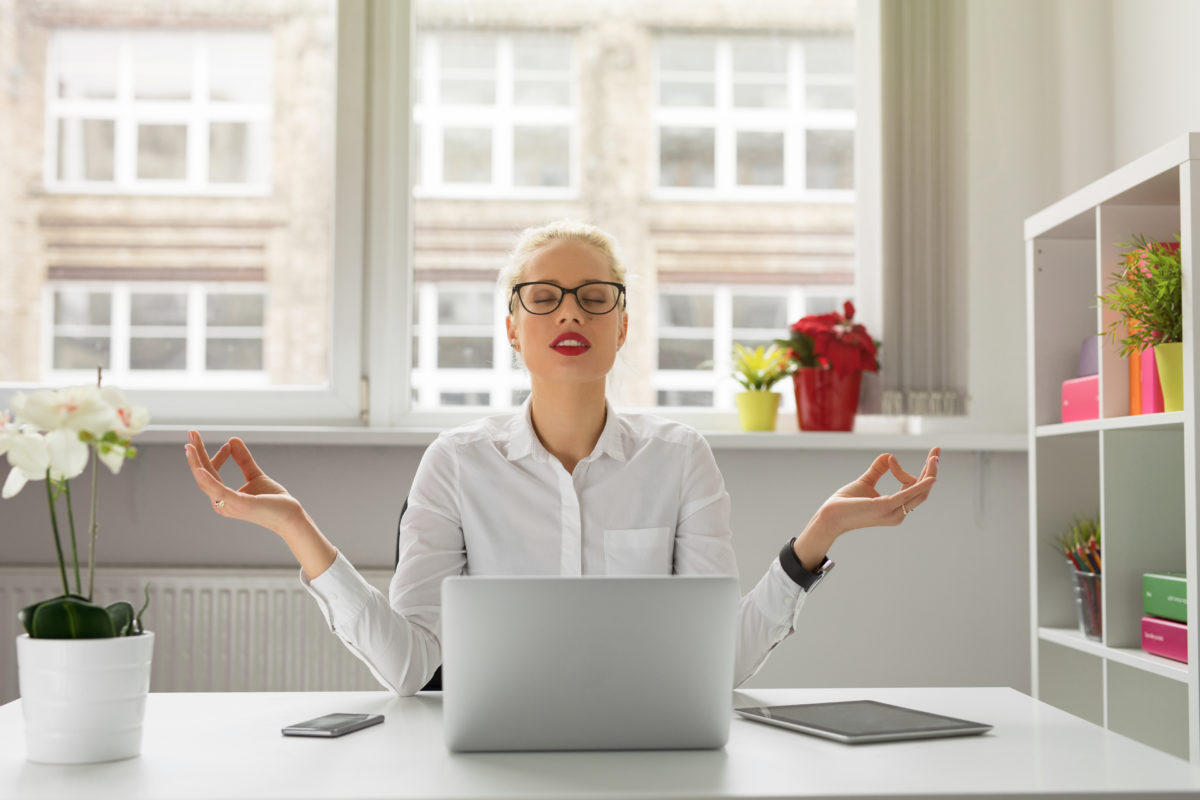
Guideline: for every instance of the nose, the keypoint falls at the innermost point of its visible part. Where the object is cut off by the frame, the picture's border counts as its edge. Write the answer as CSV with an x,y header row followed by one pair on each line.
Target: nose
x,y
569,309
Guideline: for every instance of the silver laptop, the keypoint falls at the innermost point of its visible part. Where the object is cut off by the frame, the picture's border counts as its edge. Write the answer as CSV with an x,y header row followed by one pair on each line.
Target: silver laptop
x,y
591,663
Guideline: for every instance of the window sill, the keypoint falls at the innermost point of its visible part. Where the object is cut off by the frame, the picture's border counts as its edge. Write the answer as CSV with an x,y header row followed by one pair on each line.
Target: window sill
x,y
872,433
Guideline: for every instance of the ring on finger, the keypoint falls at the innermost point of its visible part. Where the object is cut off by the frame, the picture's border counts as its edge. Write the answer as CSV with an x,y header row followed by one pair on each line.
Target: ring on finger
x,y
221,504
905,510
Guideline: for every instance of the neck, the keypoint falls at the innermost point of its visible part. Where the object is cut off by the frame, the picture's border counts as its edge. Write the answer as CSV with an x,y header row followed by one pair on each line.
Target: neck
x,y
568,419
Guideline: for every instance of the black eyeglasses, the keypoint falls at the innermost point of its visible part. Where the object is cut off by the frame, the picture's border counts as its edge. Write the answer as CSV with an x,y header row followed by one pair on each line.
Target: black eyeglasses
x,y
594,297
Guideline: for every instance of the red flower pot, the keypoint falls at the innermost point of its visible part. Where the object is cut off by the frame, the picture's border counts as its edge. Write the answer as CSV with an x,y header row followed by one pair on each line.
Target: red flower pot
x,y
825,400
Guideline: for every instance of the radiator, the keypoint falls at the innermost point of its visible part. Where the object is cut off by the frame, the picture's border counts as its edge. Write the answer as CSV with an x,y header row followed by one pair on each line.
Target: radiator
x,y
215,630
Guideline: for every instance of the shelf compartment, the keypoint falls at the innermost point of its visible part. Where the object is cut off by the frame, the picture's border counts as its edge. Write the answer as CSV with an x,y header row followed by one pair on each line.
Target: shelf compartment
x,y
1072,680
1142,522
1148,708
1067,483
1062,316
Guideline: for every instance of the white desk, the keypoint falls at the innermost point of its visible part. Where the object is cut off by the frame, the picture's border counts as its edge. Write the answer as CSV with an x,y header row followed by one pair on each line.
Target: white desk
x,y
229,746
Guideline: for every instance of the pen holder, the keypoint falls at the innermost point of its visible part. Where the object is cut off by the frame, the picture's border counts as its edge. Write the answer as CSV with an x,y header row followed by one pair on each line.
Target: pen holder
x,y
1087,603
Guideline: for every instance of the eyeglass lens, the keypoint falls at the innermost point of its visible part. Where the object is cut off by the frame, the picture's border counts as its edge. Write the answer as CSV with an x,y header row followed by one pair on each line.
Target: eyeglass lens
x,y
544,298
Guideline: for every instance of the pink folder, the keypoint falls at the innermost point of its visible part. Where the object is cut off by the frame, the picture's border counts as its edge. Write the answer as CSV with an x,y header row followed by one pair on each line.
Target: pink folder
x,y
1152,399
1165,637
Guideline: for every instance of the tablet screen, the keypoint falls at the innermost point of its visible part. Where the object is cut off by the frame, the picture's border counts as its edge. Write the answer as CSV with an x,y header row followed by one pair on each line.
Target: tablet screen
x,y
863,720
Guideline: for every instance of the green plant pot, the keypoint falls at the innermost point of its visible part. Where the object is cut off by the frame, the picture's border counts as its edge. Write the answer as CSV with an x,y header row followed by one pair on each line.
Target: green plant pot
x,y
757,410
1169,359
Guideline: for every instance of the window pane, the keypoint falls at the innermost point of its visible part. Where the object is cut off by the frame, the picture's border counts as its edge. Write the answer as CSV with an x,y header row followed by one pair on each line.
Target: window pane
x,y
240,69
465,398
685,310
833,56
836,97
687,53
761,312
541,93
760,94
157,308
85,149
762,56
541,156
467,155
830,159
462,352
79,307
86,65
542,53
158,353
162,66
759,158
227,145
699,93
684,353
464,307
234,354
162,152
237,310
686,157
72,352
681,398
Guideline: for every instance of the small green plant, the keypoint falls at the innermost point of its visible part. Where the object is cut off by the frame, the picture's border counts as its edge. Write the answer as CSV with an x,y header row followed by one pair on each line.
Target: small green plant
x,y
1147,293
761,368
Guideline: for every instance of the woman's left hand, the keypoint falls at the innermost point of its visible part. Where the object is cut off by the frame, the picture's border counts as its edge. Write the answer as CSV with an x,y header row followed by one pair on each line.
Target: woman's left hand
x,y
860,505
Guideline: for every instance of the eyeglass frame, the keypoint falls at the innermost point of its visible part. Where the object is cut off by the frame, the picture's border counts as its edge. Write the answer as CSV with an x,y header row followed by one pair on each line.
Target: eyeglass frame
x,y
516,294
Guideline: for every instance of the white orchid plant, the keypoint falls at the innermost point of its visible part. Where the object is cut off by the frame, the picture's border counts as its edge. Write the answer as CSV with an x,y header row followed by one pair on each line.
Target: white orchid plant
x,y
49,435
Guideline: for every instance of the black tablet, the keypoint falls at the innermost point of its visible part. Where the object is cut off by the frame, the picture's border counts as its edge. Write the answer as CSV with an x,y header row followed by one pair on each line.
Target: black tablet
x,y
859,721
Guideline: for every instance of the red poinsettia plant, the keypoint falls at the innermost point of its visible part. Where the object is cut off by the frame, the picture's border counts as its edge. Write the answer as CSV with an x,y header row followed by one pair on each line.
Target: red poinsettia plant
x,y
832,341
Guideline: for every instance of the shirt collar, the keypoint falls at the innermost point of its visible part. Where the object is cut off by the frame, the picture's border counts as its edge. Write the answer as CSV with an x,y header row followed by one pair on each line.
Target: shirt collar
x,y
524,442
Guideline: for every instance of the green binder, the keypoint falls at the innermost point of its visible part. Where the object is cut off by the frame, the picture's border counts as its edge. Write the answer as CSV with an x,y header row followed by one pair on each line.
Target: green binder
x,y
1165,595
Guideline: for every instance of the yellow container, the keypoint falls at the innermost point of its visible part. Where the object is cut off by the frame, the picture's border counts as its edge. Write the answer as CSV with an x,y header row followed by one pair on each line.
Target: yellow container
x,y
1169,359
757,410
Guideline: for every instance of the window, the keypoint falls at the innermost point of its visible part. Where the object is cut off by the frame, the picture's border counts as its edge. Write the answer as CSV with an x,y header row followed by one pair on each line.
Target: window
x,y
158,111
755,117
698,326
494,114
145,332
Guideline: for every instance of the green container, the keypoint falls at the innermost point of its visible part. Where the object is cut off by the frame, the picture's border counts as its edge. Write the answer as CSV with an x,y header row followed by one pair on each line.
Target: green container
x,y
1165,595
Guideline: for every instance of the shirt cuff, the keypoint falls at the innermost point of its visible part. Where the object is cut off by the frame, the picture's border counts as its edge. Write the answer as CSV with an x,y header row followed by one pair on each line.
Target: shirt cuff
x,y
341,591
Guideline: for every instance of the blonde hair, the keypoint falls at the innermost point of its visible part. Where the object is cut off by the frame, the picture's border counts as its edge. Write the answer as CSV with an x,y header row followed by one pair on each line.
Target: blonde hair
x,y
534,239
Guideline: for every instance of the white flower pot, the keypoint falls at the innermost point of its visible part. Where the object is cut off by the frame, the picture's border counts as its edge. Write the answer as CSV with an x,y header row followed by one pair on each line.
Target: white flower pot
x,y
83,699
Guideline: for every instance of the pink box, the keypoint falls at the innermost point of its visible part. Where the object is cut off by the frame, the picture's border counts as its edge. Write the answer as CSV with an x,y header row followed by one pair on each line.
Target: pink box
x,y
1165,637
1081,398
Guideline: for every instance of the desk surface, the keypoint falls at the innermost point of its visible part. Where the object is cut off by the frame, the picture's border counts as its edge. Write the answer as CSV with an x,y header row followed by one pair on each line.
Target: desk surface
x,y
229,746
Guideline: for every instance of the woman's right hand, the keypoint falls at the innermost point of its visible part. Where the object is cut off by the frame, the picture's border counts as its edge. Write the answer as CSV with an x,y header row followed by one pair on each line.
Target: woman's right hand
x,y
260,500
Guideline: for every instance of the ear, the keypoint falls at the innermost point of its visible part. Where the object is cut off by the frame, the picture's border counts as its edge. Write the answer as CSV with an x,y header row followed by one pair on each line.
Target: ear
x,y
510,329
624,330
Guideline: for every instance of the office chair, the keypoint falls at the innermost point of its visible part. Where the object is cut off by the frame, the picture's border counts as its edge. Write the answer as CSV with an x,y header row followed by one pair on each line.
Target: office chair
x,y
435,682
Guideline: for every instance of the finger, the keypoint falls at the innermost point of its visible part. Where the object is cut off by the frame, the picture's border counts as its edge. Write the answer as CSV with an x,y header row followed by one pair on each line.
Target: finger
x,y
931,463
910,497
241,454
900,473
219,457
877,470
224,500
201,453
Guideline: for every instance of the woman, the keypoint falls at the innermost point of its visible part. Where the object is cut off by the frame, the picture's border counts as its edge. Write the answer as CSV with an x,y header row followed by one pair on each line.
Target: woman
x,y
564,486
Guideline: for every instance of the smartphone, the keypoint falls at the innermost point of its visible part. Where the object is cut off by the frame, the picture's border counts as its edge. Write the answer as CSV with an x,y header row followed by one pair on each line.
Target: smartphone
x,y
333,725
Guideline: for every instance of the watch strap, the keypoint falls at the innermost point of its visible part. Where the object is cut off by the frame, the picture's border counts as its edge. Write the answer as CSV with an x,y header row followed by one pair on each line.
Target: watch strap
x,y
796,571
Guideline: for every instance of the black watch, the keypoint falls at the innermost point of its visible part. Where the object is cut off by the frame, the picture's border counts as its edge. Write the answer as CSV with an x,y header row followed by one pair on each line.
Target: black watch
x,y
796,571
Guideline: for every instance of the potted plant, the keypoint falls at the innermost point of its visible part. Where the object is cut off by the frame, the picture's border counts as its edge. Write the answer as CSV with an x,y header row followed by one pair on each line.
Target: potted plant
x,y
757,371
84,669
1147,294
828,354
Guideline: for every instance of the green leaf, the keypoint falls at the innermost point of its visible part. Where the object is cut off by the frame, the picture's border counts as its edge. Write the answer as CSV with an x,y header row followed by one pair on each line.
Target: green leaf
x,y
70,617
121,614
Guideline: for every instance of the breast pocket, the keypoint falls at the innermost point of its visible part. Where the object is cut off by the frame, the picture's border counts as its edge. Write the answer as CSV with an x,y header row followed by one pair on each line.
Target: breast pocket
x,y
638,551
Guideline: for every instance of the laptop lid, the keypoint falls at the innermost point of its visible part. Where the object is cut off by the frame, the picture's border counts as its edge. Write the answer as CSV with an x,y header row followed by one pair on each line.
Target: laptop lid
x,y
587,663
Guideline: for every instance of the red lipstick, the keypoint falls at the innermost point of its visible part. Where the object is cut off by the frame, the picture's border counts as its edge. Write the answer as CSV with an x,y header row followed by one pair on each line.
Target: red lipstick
x,y
571,344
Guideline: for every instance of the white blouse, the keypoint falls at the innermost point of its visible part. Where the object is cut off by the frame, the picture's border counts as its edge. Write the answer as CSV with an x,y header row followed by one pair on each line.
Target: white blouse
x,y
489,499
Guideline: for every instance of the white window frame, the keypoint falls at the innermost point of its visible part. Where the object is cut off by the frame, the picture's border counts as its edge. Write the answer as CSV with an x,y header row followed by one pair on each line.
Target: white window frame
x,y
727,120
500,118
127,113
120,331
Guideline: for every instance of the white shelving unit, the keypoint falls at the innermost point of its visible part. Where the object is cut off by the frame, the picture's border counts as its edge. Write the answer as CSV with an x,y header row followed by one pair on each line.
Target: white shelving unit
x,y
1138,473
